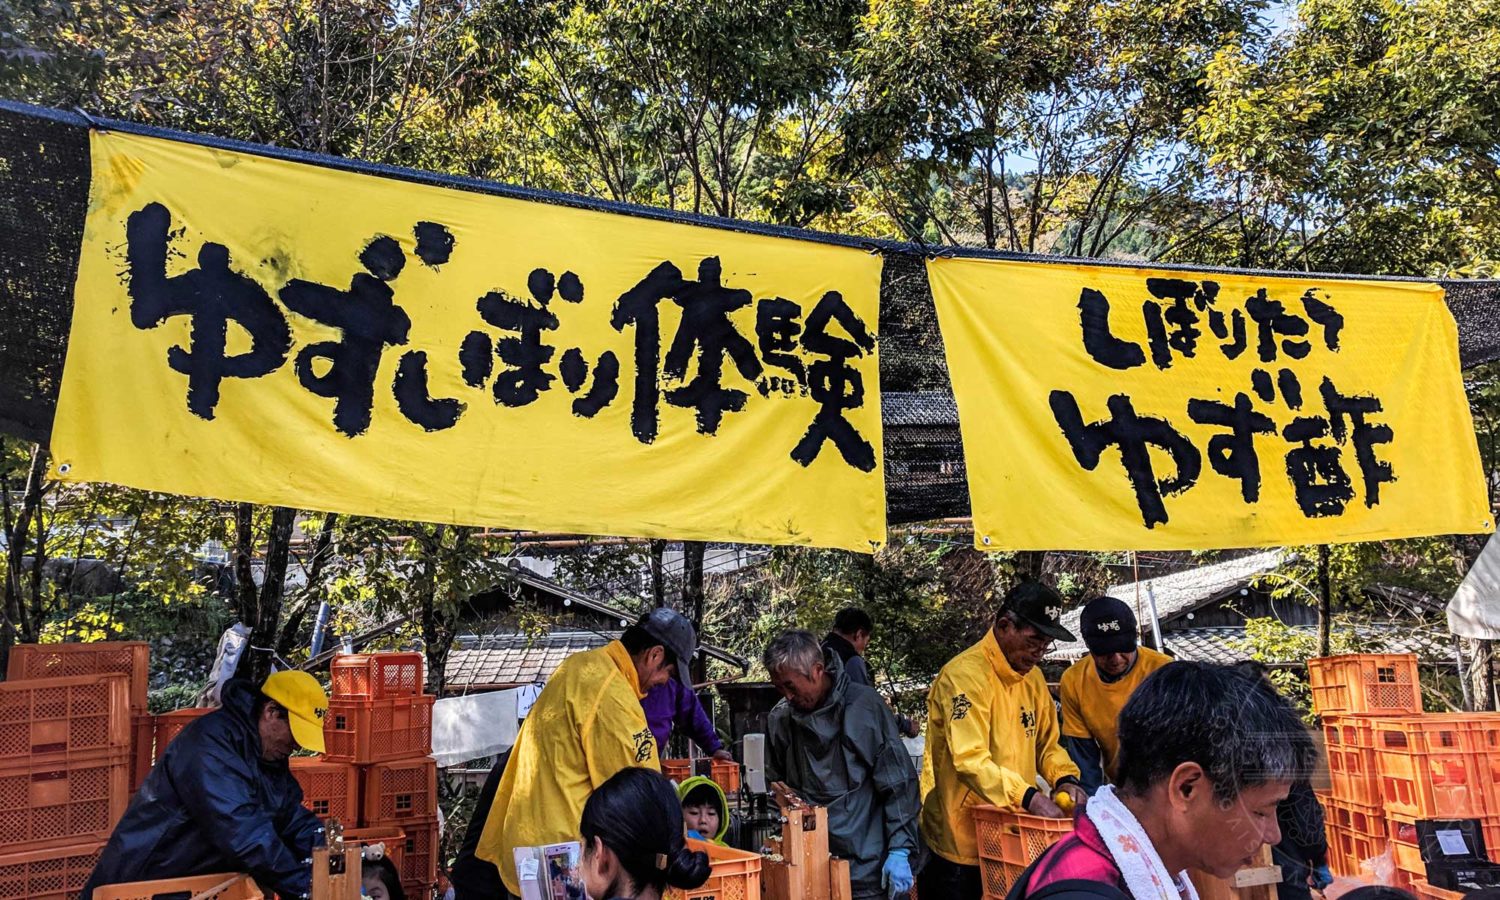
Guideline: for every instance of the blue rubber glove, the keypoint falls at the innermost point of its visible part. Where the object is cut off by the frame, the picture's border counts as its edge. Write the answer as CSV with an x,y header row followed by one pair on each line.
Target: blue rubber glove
x,y
895,875
1321,877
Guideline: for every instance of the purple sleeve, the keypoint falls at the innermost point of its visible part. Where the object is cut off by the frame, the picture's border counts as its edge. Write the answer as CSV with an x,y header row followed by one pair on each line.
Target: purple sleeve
x,y
693,719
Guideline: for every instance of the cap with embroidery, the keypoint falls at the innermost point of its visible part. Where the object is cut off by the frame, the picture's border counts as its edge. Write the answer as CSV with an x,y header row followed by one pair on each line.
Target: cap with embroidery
x,y
306,704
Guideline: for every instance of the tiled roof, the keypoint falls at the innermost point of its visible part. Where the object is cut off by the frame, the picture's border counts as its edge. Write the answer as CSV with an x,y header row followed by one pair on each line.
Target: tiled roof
x,y
1226,644
1178,593
509,659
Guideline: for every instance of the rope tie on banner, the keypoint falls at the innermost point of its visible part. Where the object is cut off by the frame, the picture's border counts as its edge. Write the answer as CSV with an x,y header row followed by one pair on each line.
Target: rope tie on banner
x,y
93,122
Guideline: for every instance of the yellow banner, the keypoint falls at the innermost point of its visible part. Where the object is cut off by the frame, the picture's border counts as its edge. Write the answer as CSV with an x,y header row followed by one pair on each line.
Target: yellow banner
x,y
254,329
1108,408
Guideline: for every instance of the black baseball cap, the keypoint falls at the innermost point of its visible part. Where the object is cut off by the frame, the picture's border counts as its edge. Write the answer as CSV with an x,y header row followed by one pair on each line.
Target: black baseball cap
x,y
1109,626
676,634
1039,606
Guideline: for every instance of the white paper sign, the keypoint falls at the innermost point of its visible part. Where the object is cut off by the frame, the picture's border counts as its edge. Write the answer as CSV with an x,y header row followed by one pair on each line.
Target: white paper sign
x,y
1452,842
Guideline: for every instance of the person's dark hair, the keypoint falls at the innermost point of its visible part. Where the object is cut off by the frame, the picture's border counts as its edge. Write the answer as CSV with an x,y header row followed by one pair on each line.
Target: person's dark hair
x,y
637,641
1232,723
1384,892
853,620
389,877
702,795
636,814
1489,893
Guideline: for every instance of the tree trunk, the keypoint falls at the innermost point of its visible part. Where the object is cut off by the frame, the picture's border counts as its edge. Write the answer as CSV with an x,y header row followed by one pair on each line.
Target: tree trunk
x,y
692,596
1325,604
1481,675
19,625
257,661
1029,564
313,591
244,554
658,578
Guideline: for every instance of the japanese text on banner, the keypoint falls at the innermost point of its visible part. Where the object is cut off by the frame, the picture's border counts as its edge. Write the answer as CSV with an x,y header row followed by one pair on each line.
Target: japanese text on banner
x,y
1126,408
254,329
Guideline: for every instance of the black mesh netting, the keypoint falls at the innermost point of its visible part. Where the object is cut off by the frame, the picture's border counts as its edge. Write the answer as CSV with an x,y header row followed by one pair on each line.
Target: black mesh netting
x,y
44,171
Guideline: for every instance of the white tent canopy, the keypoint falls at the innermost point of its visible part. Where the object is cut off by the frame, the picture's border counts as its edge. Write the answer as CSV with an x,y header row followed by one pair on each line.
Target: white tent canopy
x,y
1474,611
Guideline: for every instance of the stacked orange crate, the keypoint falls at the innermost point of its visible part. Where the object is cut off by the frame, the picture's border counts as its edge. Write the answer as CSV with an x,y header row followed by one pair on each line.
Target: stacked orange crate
x,y
379,719
1356,832
129,658
1437,766
170,724
329,789
1383,684
1351,694
64,779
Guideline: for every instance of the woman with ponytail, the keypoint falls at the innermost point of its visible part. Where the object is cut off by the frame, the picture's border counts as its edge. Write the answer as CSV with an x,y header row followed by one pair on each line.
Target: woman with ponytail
x,y
633,845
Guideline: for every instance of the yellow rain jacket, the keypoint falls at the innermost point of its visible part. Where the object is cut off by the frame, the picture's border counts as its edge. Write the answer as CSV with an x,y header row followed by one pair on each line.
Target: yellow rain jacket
x,y
586,725
989,732
1091,707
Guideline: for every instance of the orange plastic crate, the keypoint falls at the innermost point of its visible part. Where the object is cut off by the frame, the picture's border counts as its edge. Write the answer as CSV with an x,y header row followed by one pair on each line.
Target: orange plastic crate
x,y
419,852
726,774
170,724
1375,683
62,716
733,875
142,749
417,890
51,802
1366,819
371,731
1013,840
1426,771
329,789
230,886
1352,773
129,658
392,836
399,791
678,770
57,874
1422,889
376,676
1347,850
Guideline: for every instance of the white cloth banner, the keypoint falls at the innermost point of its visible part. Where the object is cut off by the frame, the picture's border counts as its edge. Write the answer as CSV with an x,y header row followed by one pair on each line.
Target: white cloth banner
x,y
1474,611
472,726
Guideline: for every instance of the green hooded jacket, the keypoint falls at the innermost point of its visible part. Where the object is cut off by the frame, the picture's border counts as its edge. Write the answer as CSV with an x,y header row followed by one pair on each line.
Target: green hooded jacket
x,y
847,755
687,787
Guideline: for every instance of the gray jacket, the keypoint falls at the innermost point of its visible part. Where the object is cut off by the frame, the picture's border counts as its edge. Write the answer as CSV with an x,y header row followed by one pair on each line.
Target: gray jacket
x,y
847,755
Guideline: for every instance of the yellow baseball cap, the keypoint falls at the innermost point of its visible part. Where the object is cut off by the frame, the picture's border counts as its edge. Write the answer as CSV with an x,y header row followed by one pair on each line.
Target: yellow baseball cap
x,y
306,704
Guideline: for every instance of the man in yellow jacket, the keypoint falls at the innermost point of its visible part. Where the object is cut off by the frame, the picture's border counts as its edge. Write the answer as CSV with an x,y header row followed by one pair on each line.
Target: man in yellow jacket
x,y
991,728
1094,689
586,725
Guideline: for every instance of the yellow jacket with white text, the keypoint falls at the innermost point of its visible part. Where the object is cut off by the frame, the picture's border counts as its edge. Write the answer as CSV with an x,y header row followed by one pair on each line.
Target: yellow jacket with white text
x,y
989,732
586,725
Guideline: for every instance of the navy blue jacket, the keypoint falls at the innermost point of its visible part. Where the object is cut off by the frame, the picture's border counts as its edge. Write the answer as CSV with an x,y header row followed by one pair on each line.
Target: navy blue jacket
x,y
212,805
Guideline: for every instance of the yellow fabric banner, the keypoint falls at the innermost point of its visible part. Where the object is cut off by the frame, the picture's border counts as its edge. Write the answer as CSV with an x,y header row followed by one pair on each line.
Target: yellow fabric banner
x,y
254,329
1111,408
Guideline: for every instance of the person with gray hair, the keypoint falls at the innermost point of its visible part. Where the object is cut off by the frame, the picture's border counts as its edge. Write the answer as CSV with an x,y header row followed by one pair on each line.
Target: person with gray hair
x,y
836,744
1207,753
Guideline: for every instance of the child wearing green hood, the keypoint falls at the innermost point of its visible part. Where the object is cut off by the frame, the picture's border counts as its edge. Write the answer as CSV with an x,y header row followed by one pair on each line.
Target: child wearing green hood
x,y
705,810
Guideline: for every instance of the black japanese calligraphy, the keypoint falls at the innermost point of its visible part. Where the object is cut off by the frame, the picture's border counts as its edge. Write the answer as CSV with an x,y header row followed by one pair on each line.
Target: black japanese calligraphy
x,y
213,295
368,321
1178,316
706,328
835,384
1134,435
725,342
